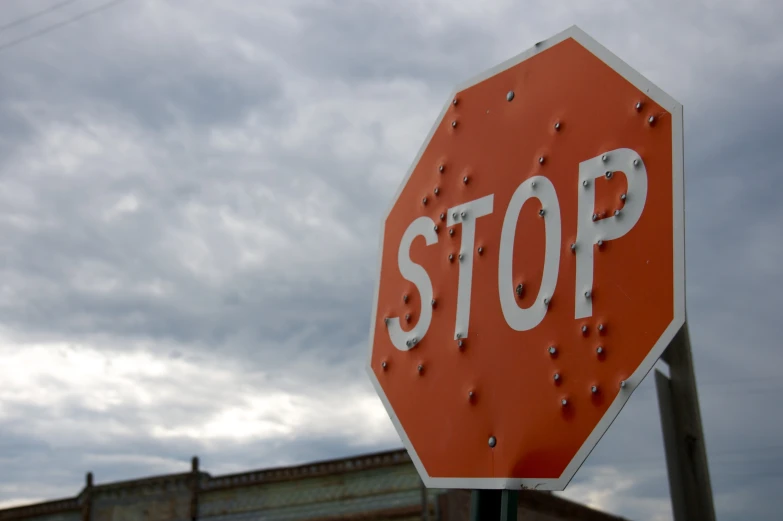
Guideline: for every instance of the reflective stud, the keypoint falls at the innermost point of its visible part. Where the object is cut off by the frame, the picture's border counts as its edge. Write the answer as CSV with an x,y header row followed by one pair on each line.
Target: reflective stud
x,y
552,350
465,179
594,389
510,95
492,441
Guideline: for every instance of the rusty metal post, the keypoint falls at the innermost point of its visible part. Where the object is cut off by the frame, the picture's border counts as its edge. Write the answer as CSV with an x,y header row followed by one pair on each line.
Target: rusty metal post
x,y
683,434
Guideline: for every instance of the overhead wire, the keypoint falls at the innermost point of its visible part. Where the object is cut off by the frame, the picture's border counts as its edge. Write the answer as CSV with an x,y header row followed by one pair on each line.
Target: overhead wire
x,y
58,25
33,16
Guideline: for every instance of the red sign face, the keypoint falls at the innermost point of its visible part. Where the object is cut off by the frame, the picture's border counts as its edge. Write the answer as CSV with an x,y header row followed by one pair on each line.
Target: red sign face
x,y
531,267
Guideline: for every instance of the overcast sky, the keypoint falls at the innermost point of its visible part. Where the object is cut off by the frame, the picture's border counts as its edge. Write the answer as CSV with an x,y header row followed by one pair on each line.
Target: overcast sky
x,y
190,198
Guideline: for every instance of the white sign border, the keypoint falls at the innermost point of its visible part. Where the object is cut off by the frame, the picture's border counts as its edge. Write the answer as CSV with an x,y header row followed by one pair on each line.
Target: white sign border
x,y
676,111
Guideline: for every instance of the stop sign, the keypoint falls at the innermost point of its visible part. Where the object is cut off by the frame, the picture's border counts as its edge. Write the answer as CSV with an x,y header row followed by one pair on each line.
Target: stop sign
x,y
531,267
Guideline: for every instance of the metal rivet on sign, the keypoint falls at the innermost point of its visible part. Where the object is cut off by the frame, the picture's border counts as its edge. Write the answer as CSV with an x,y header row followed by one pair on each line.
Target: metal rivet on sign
x,y
461,256
556,376
595,216
532,184
436,191
454,101
622,383
454,215
465,179
584,329
435,228
546,301
424,201
594,389
420,368
386,320
651,120
460,343
604,157
573,246
459,335
432,302
510,95
600,243
383,364
480,250
587,294
454,124
541,160
617,213
599,350
462,214
492,441
585,183
408,343
541,212
451,256
405,298
451,232
638,105
622,197
440,168
407,317
563,402
600,327
552,350
470,395
442,216
635,162
557,126
608,174
519,289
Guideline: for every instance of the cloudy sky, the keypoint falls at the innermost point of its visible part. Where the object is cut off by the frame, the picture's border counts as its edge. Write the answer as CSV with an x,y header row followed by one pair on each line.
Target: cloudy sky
x,y
190,197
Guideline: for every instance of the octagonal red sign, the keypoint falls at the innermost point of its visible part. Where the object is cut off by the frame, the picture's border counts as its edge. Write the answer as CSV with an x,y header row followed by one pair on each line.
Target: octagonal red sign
x,y
531,267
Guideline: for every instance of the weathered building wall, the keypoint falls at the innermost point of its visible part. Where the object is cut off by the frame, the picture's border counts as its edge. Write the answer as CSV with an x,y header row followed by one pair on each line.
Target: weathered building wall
x,y
375,487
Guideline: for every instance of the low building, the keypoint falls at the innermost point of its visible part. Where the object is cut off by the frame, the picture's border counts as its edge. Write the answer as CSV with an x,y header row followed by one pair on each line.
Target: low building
x,y
372,487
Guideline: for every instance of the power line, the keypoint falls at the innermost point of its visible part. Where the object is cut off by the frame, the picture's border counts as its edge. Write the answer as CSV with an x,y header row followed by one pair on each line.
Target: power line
x,y
33,16
58,25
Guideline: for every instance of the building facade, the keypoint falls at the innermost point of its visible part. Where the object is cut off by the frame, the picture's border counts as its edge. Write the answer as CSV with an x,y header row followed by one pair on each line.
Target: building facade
x,y
373,487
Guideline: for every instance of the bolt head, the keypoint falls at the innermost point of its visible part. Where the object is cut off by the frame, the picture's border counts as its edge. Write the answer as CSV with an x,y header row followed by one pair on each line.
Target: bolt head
x,y
622,197
459,335
651,120
585,183
638,105
451,256
492,441
594,389
442,216
420,368
480,250
383,364
584,329
622,383
451,232
407,316
587,294
461,256
600,327
454,215
462,214
454,101
617,213
532,184
541,212
595,216
604,158
440,168
552,350
432,302
546,301
424,201
470,395
519,288
556,376
460,344
405,298
608,174
573,246
557,126
465,179
600,243
436,191
408,343
510,95
635,162
599,350
541,160
454,124
435,228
